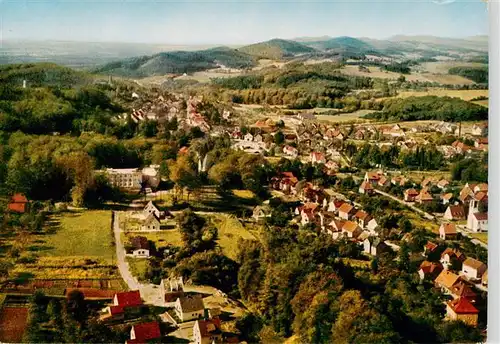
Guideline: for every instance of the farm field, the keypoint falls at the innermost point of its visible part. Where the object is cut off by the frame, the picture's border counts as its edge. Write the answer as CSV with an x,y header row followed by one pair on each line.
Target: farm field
x,y
462,94
345,117
13,322
81,234
375,72
448,79
444,66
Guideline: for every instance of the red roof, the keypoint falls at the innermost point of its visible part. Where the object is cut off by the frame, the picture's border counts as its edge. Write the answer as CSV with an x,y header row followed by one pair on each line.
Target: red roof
x,y
147,331
430,246
209,327
129,298
463,306
116,310
19,198
481,216
18,203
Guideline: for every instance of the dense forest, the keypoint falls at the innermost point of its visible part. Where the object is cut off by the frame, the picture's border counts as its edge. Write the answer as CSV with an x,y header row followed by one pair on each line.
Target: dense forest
x,y
430,108
476,74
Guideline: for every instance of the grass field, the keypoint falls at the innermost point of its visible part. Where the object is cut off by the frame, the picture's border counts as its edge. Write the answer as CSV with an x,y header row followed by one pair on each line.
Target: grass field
x,y
480,236
13,321
80,234
246,194
138,268
443,67
462,94
230,230
345,117
170,236
375,72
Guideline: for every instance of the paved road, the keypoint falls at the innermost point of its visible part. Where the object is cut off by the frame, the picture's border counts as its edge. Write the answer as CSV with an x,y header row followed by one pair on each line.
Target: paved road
x,y
420,211
150,293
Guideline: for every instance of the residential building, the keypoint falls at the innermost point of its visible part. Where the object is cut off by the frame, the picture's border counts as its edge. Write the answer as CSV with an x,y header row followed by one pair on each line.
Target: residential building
x,y
461,309
443,184
189,307
261,212
451,257
143,333
151,208
139,247
410,195
473,269
207,331
484,279
447,231
480,129
365,188
462,289
346,211
290,151
446,198
429,270
351,229
18,203
362,218
424,197
150,223
129,301
446,280
477,222
372,177
375,246
430,247
317,158
454,213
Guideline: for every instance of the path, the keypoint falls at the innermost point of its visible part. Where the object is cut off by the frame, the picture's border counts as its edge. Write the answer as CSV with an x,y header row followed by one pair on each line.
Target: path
x,y
411,206
150,293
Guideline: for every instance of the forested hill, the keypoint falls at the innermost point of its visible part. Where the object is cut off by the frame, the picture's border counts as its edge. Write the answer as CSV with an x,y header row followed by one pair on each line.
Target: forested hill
x,y
179,62
430,108
41,74
276,49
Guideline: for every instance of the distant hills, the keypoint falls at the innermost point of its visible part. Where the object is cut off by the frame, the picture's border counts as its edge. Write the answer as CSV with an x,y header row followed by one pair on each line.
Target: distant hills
x,y
120,60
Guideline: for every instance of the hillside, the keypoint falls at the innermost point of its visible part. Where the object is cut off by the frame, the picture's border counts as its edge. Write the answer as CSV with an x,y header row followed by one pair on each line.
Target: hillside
x,y
178,62
276,49
342,44
41,74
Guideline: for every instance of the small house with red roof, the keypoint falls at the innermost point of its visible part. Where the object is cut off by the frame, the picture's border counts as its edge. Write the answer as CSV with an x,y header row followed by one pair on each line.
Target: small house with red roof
x,y
410,195
346,211
451,256
18,203
145,332
454,213
317,158
351,229
365,188
430,247
429,270
207,331
129,301
463,310
447,231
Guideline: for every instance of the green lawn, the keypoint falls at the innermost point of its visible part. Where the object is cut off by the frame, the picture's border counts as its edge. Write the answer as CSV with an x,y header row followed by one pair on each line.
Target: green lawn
x,y
84,234
480,236
162,238
138,267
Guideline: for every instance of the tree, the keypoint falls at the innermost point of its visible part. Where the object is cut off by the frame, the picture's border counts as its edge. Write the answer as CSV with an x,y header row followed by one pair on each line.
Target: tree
x,y
279,138
75,306
183,174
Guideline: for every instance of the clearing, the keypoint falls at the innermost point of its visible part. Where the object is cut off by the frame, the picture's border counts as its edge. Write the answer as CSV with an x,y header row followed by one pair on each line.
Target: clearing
x,y
345,117
230,230
462,94
480,236
162,238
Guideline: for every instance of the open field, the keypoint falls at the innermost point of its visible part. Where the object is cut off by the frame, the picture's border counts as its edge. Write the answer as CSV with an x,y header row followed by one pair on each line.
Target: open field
x,y
448,79
163,238
81,234
443,67
375,72
462,94
484,103
246,194
345,117
230,230
480,236
138,267
13,321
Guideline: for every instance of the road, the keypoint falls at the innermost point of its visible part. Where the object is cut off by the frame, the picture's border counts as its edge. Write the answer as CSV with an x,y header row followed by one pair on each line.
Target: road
x,y
420,211
150,293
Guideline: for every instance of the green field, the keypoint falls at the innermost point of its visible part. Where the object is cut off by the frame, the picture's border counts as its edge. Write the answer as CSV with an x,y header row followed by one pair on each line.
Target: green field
x,y
138,268
169,236
230,230
480,236
84,234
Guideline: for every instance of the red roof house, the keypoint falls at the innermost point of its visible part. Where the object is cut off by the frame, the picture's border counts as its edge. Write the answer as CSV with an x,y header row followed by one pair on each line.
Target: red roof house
x,y
141,333
18,203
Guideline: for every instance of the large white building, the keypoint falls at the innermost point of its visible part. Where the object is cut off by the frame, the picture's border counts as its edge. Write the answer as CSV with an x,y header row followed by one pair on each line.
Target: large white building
x,y
130,178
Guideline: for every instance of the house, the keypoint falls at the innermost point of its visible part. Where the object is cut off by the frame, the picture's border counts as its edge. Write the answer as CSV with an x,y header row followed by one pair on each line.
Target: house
x,y
454,213
334,205
261,213
446,280
184,150
451,257
477,222
139,247
375,246
443,184
473,269
480,129
346,211
365,188
172,288
372,225
372,177
151,176
351,229
446,198
248,137
317,158
18,203
362,218
308,212
306,116
410,195
430,247
332,165
150,223
258,138
461,148
429,270
207,331
427,182
424,197
463,310
189,307
290,151
143,333
129,301
151,208
334,228
462,289
359,134
383,181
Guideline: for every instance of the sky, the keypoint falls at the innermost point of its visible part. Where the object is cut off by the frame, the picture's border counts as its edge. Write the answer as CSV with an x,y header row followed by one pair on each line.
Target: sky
x,y
236,22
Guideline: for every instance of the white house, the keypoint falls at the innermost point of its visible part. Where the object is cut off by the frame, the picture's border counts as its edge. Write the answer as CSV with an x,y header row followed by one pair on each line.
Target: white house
x,y
454,212
130,178
151,208
189,307
150,223
473,269
139,247
248,137
290,151
477,222
207,331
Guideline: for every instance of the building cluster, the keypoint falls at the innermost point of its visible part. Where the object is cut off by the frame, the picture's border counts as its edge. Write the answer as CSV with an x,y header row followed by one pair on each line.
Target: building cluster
x,y
133,178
